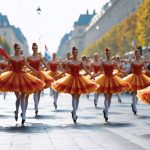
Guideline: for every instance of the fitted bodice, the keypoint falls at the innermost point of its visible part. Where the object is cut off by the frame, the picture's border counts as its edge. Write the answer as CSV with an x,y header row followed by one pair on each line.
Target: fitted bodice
x,y
53,67
17,66
74,69
108,69
137,68
96,68
34,63
64,65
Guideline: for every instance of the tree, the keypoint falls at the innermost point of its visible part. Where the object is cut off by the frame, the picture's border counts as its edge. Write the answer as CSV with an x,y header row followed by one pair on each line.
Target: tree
x,y
120,36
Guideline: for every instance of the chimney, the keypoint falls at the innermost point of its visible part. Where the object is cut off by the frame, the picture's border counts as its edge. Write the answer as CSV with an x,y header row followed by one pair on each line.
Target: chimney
x,y
94,12
87,12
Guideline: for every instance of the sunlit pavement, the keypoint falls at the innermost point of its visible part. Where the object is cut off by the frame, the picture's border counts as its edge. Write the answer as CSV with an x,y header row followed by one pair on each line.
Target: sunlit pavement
x,y
54,129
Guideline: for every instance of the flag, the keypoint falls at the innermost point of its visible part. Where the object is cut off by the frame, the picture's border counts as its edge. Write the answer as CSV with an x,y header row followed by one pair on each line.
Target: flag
x,y
47,54
3,52
133,44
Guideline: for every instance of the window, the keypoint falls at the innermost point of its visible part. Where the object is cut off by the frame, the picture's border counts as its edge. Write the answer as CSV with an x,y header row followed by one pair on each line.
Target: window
x,y
80,44
80,31
5,33
5,24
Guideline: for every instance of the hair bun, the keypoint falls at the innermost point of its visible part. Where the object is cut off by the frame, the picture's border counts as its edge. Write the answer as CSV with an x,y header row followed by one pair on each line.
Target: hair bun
x,y
107,49
74,48
34,44
15,45
136,51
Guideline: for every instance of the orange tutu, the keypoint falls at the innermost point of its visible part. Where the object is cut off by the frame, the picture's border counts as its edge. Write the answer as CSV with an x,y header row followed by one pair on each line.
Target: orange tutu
x,y
118,73
74,85
137,82
146,73
111,84
45,78
20,82
144,95
83,72
54,73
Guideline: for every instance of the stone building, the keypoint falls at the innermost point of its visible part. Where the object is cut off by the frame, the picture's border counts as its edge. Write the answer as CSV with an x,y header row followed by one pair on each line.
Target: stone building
x,y
65,45
75,37
12,35
90,28
117,10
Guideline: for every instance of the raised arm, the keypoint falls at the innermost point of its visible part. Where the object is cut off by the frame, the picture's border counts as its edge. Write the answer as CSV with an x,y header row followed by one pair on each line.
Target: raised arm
x,y
60,65
87,71
44,63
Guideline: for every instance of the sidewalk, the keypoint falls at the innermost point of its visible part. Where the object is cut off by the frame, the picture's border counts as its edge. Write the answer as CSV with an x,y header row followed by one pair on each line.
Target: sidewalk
x,y
54,129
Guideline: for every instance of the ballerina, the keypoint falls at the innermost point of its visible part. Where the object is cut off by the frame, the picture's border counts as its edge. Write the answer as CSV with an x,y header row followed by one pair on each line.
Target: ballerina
x,y
109,83
74,83
54,65
35,61
19,81
96,68
137,79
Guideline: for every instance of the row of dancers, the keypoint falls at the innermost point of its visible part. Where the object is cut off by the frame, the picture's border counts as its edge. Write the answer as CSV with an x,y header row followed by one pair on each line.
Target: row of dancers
x,y
25,76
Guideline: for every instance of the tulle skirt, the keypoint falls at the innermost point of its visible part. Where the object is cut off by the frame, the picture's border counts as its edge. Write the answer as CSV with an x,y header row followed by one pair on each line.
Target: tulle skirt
x,y
74,85
83,72
146,73
144,95
111,84
45,78
54,73
137,82
20,82
117,73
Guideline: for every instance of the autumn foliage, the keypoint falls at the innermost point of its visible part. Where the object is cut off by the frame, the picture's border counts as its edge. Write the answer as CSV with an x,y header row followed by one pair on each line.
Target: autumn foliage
x,y
120,36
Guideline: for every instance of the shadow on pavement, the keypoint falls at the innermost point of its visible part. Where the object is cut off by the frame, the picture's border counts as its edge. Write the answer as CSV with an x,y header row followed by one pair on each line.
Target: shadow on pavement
x,y
147,136
92,108
116,113
118,124
44,117
38,128
143,117
42,128
61,110
88,117
5,116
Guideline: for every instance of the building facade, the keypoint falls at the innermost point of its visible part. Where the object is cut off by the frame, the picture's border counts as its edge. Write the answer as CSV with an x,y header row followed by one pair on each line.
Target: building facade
x,y
12,35
76,36
86,32
116,12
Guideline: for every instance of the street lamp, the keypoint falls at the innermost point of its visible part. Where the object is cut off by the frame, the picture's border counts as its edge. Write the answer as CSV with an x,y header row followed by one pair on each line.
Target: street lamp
x,y
39,10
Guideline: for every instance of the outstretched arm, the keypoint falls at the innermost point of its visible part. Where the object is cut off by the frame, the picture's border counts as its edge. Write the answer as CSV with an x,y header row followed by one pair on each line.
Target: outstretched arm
x,y
28,66
87,71
44,63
